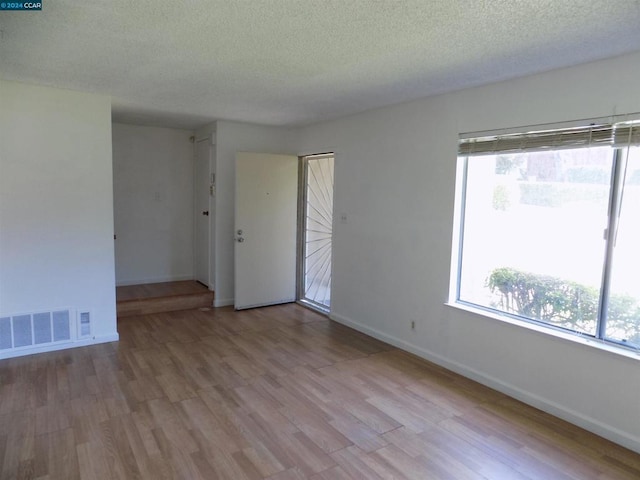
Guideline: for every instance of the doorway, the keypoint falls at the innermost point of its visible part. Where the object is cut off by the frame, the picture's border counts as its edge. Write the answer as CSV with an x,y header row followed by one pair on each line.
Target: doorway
x,y
204,213
316,231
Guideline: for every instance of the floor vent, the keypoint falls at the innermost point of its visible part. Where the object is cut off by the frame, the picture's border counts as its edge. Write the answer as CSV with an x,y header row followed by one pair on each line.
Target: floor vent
x,y
35,329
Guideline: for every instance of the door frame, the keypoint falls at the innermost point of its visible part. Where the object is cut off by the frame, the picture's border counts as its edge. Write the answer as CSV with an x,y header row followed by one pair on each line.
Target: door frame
x,y
197,213
302,227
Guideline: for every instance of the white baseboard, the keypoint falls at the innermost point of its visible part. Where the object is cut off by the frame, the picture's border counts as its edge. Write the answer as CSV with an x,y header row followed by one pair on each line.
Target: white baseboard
x,y
141,281
60,346
222,302
616,435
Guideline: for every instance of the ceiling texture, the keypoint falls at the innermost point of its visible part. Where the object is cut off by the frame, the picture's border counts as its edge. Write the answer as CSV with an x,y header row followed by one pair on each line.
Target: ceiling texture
x,y
294,62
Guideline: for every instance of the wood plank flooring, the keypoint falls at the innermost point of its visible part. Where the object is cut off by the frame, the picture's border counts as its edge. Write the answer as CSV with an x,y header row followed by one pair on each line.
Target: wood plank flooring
x,y
133,300
279,393
154,290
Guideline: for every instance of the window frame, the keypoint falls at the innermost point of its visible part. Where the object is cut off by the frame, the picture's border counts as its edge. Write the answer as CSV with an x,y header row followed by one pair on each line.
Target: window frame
x,y
620,151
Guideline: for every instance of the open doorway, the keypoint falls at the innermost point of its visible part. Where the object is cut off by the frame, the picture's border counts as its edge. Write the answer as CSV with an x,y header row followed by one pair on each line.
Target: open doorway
x,y
316,231
204,212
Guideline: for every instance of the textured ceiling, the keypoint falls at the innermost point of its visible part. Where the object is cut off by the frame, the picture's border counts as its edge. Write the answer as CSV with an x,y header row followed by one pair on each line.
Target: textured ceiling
x,y
294,62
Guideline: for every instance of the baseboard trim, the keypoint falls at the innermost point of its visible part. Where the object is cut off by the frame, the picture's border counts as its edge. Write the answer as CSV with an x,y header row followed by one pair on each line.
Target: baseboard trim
x,y
141,281
61,346
222,302
618,436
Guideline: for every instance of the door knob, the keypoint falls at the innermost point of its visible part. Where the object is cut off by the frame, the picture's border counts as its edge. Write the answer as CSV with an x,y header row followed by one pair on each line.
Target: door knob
x,y
206,212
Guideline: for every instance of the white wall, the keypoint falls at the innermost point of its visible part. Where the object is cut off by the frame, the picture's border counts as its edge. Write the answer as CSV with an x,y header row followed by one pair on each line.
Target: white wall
x,y
233,137
153,204
56,204
395,179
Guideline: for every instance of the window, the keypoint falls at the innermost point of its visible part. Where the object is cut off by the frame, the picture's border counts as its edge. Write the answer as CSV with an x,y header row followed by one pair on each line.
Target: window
x,y
549,229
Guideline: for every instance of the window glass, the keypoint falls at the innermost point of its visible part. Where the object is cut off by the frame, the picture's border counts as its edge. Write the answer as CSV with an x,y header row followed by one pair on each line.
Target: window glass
x,y
533,234
623,310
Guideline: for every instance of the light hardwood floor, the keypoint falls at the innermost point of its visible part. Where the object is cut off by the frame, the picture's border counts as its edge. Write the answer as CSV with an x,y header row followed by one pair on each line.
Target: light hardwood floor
x,y
145,291
279,393
133,300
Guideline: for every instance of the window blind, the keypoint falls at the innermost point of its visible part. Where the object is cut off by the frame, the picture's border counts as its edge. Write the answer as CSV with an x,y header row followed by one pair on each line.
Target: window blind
x,y
575,137
626,134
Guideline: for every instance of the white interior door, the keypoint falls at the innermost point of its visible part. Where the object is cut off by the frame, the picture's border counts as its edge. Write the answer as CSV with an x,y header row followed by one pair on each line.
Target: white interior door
x,y
265,228
203,211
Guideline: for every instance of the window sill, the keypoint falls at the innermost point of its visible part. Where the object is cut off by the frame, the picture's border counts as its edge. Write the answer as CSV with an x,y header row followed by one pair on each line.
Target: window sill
x,y
575,338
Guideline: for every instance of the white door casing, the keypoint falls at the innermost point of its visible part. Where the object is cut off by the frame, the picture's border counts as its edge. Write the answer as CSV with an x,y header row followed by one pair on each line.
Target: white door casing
x,y
265,229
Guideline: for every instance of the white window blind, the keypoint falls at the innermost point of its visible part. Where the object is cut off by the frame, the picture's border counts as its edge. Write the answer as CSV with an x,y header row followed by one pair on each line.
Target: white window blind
x,y
626,134
617,135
